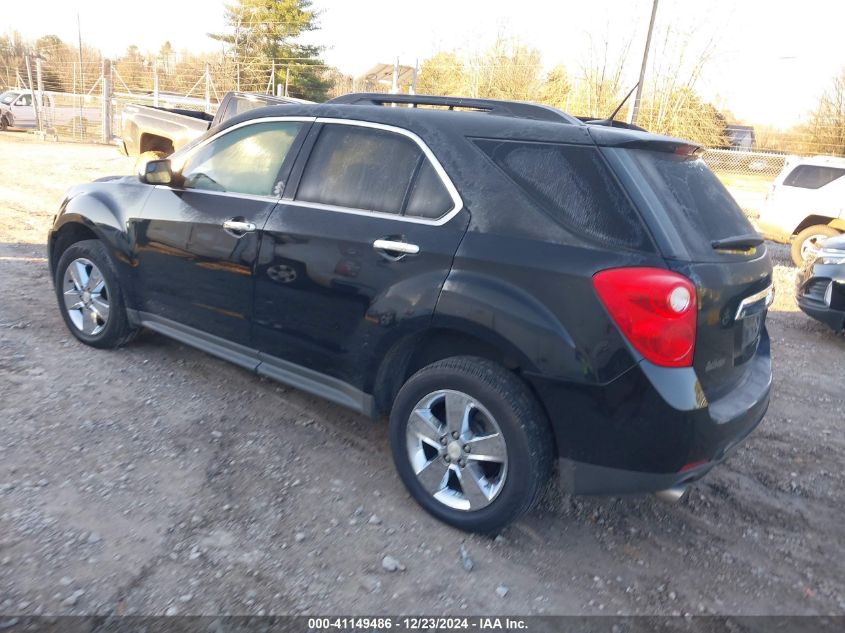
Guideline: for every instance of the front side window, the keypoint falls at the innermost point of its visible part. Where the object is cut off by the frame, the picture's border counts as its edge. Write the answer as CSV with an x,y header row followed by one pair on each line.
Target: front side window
x,y
371,169
245,160
813,176
25,100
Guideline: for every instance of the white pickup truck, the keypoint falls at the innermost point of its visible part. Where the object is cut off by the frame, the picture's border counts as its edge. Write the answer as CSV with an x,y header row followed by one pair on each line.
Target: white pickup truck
x,y
17,111
146,128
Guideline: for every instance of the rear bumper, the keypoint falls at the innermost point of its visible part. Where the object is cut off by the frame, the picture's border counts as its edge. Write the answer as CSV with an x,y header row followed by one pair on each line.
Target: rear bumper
x,y
626,437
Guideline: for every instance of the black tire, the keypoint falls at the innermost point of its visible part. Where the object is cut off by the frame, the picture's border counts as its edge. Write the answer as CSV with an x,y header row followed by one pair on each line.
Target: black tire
x,y
524,427
118,330
4,124
809,233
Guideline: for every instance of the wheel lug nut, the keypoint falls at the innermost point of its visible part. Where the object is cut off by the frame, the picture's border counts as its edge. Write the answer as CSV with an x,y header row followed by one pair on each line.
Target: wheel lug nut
x,y
455,434
463,463
466,448
443,440
447,458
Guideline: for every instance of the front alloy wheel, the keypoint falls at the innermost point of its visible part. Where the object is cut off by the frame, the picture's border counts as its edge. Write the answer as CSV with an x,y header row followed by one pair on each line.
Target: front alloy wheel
x,y
90,296
86,296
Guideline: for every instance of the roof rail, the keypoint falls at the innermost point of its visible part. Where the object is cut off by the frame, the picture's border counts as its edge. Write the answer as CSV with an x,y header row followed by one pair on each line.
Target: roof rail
x,y
517,109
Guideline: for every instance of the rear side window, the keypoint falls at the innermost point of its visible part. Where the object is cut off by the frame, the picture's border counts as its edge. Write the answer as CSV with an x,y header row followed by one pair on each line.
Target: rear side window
x,y
572,184
428,197
374,170
699,206
813,176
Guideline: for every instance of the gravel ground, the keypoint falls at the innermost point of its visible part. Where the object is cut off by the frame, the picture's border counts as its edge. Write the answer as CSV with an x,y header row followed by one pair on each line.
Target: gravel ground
x,y
155,479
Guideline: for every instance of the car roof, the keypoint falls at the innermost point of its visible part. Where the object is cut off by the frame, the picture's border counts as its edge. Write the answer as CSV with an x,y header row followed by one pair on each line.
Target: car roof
x,y
432,123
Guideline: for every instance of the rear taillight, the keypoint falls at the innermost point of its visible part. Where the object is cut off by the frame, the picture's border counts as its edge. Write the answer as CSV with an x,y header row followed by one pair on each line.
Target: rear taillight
x,y
655,310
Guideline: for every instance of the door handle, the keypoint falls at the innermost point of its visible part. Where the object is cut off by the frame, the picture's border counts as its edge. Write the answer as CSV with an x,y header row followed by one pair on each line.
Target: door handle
x,y
392,246
238,226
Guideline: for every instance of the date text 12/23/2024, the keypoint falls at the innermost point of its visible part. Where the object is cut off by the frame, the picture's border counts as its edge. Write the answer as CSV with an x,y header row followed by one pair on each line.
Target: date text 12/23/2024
x,y
416,624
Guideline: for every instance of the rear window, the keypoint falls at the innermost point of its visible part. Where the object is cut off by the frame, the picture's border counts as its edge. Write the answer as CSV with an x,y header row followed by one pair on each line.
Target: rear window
x,y
574,186
813,176
699,206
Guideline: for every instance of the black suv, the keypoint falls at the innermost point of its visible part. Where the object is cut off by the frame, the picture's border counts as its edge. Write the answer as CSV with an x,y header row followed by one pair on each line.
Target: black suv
x,y
511,285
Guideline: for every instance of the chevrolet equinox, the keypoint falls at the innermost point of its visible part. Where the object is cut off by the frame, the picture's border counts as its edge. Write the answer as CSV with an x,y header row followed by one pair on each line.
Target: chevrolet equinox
x,y
515,287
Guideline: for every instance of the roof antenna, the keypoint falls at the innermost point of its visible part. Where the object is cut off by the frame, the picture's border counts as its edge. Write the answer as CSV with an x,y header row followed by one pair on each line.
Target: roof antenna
x,y
609,120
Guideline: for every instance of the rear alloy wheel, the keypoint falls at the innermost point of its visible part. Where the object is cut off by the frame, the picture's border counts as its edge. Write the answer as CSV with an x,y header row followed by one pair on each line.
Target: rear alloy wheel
x,y
456,450
806,241
471,443
89,296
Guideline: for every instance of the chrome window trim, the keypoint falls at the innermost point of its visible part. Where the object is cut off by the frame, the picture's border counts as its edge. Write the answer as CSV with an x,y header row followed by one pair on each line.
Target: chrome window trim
x,y
227,194
458,204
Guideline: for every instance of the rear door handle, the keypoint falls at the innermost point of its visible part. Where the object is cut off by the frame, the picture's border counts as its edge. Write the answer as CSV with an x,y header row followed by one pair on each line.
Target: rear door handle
x,y
238,226
392,246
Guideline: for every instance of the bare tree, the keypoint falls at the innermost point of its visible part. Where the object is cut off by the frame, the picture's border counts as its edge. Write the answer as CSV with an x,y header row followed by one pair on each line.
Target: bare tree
x,y
826,128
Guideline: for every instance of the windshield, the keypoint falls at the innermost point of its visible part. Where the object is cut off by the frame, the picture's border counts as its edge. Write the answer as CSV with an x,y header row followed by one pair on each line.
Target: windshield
x,y
7,97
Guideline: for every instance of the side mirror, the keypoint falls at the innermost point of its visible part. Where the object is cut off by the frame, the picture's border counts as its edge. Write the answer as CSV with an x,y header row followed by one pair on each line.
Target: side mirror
x,y
156,172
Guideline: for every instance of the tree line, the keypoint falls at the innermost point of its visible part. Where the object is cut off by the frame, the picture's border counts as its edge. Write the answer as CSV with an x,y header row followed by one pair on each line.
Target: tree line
x,y
261,49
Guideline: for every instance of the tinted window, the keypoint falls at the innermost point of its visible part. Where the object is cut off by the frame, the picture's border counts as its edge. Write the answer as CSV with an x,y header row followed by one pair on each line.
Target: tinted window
x,y
428,197
7,97
25,100
367,168
813,176
573,185
245,160
698,205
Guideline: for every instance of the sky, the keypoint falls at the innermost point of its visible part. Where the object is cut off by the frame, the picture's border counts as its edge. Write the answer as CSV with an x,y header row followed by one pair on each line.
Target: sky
x,y
768,62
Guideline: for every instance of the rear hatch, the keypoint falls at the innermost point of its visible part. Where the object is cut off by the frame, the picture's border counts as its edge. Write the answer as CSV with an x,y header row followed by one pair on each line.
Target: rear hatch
x,y
703,235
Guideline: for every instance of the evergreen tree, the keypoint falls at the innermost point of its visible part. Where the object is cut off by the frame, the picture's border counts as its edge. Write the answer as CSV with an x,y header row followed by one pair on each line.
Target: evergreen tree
x,y
264,32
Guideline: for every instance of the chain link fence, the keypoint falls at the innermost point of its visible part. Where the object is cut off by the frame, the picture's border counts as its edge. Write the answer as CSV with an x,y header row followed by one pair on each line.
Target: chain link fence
x,y
742,163
91,110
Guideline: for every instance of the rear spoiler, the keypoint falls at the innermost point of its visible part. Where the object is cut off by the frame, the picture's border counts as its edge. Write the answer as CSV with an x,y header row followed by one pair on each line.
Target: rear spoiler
x,y
628,138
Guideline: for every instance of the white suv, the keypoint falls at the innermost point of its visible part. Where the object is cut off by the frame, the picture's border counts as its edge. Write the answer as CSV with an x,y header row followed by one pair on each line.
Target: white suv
x,y
806,204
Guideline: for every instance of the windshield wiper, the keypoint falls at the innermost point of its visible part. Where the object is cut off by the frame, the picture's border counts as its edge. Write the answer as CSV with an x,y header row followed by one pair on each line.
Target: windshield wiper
x,y
737,242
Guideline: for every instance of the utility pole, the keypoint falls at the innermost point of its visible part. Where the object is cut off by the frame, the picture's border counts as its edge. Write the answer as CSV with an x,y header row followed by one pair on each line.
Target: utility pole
x,y
394,88
39,81
81,75
207,88
413,89
32,92
107,109
287,80
155,82
39,77
81,72
635,108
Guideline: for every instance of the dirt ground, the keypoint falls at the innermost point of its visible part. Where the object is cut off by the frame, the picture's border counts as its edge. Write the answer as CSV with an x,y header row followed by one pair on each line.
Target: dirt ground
x,y
156,479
